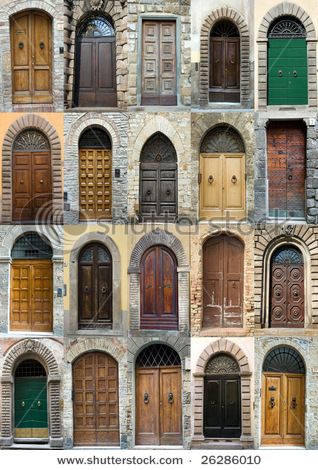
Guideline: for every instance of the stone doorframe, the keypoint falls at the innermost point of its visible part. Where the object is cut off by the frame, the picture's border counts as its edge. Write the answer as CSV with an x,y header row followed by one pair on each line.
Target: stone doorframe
x,y
73,283
159,237
227,347
31,121
282,9
231,15
31,349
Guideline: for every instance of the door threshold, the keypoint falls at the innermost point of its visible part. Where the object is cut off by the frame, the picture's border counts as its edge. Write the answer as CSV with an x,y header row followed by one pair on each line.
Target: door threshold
x,y
95,448
291,447
148,447
30,446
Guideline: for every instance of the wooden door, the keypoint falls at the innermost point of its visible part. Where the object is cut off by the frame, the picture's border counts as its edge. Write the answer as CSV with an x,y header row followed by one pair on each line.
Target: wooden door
x,y
224,69
159,81
95,184
95,287
222,186
286,155
32,295
31,56
95,400
283,409
159,290
223,268
158,406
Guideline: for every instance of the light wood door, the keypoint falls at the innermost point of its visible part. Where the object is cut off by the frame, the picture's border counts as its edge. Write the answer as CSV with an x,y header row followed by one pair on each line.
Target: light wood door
x,y
222,186
95,400
32,295
95,184
158,406
31,56
283,419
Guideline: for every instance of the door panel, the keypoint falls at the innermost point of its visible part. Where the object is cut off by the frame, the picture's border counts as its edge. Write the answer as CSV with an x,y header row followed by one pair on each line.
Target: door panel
x,y
295,393
211,189
272,407
170,406
234,185
224,81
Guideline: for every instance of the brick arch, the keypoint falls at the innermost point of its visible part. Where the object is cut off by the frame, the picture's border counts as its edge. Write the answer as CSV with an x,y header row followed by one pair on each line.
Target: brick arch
x,y
232,15
227,347
31,121
37,350
282,9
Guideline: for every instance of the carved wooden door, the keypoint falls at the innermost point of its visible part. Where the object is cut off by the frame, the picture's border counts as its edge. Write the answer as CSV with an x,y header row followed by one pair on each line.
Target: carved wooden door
x,y
223,268
287,288
159,82
95,400
286,154
31,56
95,287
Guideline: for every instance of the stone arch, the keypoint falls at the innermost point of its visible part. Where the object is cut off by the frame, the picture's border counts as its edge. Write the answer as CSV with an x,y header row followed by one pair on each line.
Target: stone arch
x,y
31,121
90,120
88,345
227,347
240,23
37,350
282,9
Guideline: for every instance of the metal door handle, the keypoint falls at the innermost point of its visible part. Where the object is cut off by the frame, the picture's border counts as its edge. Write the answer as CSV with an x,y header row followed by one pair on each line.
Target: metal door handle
x,y
234,179
295,73
210,179
41,181
21,181
146,398
272,402
21,45
148,192
86,289
39,403
170,398
42,45
280,73
168,192
104,289
293,404
290,177
23,404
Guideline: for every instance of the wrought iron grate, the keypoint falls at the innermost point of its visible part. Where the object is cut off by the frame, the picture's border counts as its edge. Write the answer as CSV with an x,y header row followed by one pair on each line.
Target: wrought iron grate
x,y
287,27
222,364
31,246
287,255
94,137
31,140
96,27
30,368
225,28
222,139
158,355
284,359
158,148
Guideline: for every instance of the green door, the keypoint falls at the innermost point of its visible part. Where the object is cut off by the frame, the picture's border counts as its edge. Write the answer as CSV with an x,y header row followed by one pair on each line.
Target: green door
x,y
287,71
30,407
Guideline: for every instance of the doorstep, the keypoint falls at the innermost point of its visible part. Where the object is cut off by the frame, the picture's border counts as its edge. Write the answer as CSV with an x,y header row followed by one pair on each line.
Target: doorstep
x,y
218,444
150,447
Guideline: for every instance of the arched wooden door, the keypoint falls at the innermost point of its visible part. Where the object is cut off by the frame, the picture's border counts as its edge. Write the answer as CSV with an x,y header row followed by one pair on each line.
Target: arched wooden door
x,y
95,400
283,398
95,287
95,175
31,285
30,402
96,63
287,62
158,290
31,177
31,57
223,277
158,179
224,63
222,398
158,396
287,303
286,169
222,174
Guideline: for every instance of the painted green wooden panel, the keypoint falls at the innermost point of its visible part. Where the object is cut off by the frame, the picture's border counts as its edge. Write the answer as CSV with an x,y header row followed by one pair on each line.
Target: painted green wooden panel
x,y
287,72
30,402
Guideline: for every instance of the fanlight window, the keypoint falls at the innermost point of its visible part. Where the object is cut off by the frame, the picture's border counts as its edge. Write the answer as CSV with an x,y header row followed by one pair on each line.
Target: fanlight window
x,y
31,246
158,148
286,27
31,140
94,137
222,139
97,27
158,355
101,253
287,255
222,364
30,368
285,360
226,29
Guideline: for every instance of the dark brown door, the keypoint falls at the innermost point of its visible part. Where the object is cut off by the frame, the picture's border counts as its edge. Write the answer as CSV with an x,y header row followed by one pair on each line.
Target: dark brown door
x,y
159,290
95,400
31,47
223,268
286,154
158,406
95,287
287,288
159,82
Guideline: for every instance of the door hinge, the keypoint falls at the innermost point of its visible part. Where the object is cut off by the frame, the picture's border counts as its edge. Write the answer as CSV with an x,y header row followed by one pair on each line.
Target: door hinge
x,y
199,178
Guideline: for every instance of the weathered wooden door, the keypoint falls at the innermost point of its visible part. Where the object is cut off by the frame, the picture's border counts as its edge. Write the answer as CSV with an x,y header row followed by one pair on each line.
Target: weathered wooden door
x,y
96,64
286,167
159,80
158,179
159,290
224,63
30,401
223,272
95,287
96,400
95,175
287,304
31,56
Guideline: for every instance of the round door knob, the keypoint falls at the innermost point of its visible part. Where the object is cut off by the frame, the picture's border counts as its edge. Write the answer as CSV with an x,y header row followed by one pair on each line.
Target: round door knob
x,y
148,192
290,177
42,45
21,181
21,45
41,181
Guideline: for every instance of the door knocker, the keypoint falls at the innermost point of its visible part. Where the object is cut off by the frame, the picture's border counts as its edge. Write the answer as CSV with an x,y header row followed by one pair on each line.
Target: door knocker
x,y
104,289
39,404
280,73
168,192
210,179
170,398
21,45
293,403
234,179
146,398
272,402
148,192
86,289
295,73
41,45
23,404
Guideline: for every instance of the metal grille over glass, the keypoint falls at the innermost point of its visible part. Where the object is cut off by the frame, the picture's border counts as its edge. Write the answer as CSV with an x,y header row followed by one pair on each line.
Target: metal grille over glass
x,y
31,246
285,360
158,355
287,27
158,149
222,139
287,255
31,140
222,364
225,28
30,368
94,138
97,27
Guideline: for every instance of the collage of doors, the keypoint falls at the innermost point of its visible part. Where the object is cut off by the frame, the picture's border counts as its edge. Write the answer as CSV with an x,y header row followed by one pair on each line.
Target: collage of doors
x,y
158,224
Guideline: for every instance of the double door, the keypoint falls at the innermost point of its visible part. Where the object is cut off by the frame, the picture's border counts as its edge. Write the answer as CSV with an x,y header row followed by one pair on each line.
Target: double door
x,y
224,69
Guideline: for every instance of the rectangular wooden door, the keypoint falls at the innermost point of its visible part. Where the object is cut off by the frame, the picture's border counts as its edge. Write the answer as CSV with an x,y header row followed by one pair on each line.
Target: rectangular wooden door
x,y
31,295
159,81
31,46
224,69
170,406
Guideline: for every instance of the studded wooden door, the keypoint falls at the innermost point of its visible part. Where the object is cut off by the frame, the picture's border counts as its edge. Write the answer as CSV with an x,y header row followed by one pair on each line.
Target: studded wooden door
x,y
286,156
287,306
95,287
159,82
159,290
96,400
31,56
223,268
